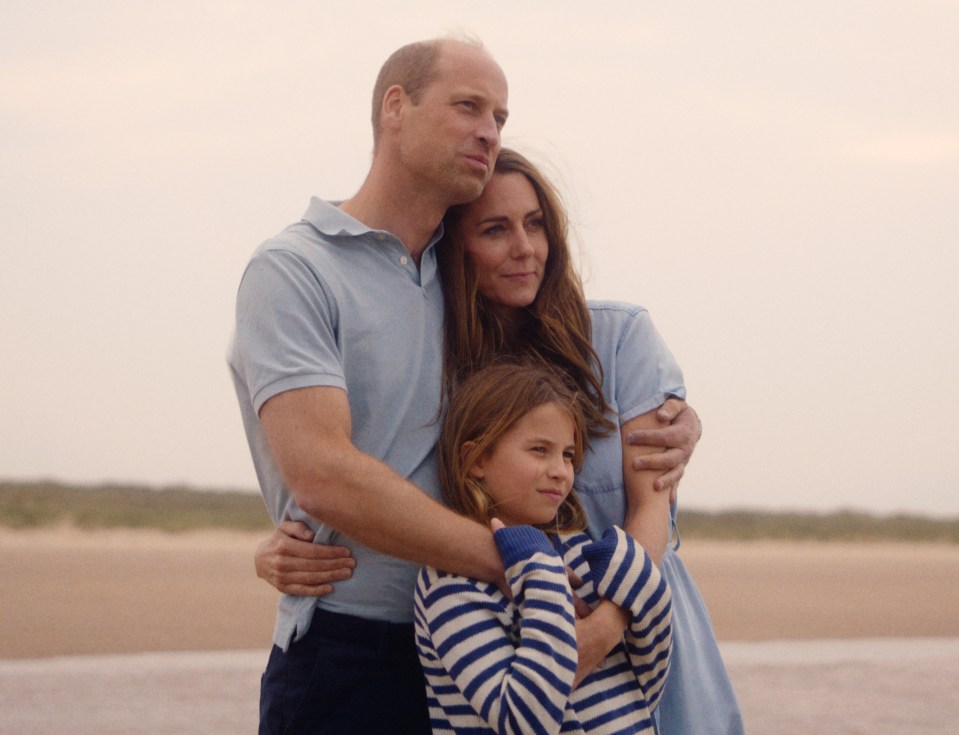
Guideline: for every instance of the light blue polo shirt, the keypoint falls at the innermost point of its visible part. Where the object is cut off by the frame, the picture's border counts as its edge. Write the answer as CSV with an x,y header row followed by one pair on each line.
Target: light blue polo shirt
x,y
329,302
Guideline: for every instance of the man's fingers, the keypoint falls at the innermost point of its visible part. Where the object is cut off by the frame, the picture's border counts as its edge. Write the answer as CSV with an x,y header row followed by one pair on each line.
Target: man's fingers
x,y
311,551
670,409
668,460
648,438
297,530
292,564
575,581
669,481
581,608
313,578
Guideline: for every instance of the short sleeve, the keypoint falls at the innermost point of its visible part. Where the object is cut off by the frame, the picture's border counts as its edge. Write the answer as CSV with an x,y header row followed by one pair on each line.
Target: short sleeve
x,y
640,372
286,328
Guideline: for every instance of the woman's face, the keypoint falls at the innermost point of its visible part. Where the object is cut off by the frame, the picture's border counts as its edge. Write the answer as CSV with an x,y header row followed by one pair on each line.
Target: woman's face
x,y
504,239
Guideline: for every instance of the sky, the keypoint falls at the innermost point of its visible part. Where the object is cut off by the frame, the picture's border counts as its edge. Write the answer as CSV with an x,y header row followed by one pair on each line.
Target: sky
x,y
777,182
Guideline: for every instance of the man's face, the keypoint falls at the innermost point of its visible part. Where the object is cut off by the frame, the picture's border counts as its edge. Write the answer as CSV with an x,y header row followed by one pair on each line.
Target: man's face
x,y
450,139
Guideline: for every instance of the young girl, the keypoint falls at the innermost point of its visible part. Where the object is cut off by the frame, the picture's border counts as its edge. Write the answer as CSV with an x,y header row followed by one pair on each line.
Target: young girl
x,y
511,439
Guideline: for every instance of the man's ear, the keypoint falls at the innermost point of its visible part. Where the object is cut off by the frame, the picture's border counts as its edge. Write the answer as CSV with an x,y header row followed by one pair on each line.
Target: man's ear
x,y
394,100
477,470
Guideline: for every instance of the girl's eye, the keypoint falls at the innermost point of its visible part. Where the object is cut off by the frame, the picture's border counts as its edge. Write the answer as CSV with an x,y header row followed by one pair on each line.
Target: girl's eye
x,y
539,450
569,455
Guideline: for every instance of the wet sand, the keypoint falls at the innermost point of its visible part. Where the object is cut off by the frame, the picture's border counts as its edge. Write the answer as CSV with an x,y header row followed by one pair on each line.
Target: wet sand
x,y
144,631
69,593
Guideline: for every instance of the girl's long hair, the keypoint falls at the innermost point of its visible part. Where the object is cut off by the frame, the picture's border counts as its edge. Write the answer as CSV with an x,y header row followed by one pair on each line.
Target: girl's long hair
x,y
486,405
556,327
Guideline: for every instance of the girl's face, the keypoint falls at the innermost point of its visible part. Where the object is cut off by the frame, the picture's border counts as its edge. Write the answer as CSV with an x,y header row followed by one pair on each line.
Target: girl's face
x,y
529,472
504,239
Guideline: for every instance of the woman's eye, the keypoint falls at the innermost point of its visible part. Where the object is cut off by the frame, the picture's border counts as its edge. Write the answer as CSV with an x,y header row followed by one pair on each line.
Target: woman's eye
x,y
494,230
539,450
535,224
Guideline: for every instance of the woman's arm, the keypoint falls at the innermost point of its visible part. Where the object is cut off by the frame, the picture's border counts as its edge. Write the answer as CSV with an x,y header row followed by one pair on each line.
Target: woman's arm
x,y
647,508
623,574
464,638
647,520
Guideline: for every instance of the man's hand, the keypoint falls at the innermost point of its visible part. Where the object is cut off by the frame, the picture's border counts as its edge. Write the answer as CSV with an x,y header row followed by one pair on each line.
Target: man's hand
x,y
291,562
678,440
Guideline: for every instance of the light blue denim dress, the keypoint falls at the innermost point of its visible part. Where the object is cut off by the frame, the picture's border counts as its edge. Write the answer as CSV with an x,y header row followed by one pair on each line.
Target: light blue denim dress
x,y
639,373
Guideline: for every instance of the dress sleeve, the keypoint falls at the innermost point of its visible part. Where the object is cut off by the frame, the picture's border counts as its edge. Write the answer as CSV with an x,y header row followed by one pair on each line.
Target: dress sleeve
x,y
515,683
640,372
625,575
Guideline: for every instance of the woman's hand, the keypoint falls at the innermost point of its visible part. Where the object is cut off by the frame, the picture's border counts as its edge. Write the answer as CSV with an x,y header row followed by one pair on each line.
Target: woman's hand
x,y
677,441
291,562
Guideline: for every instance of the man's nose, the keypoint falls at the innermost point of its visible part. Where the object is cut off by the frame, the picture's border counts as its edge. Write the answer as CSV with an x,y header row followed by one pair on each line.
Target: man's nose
x,y
489,132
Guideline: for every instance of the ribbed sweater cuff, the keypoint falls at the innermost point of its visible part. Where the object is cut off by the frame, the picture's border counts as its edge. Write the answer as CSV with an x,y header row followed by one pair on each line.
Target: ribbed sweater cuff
x,y
600,553
518,543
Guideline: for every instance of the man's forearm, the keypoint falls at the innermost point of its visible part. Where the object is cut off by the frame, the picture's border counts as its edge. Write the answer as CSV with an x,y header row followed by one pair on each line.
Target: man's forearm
x,y
366,500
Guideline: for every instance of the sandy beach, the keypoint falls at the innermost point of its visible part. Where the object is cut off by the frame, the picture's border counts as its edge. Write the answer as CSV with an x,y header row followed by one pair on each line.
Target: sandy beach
x,y
813,627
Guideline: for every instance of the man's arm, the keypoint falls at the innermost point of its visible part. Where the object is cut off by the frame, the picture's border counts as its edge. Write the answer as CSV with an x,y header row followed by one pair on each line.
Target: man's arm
x,y
676,443
308,432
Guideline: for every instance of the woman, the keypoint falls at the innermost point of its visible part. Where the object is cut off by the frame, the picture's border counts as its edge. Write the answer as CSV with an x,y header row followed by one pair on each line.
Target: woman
x,y
510,442
510,289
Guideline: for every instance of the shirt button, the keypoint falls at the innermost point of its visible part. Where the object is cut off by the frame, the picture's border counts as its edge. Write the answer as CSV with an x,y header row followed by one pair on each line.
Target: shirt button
x,y
404,260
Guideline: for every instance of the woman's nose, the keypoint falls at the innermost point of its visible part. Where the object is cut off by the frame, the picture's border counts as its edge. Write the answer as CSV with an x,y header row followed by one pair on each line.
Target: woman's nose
x,y
522,247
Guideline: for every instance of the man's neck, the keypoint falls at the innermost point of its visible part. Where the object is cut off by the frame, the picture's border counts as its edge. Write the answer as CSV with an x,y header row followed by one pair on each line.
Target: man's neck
x,y
397,209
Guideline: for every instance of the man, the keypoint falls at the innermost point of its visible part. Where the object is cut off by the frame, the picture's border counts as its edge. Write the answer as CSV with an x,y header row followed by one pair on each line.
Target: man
x,y
337,366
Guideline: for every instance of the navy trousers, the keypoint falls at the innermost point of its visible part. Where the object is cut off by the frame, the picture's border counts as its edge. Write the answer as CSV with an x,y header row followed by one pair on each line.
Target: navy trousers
x,y
346,676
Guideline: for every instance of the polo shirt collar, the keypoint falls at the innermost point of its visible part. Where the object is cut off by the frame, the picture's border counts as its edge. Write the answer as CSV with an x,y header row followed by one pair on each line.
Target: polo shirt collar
x,y
332,221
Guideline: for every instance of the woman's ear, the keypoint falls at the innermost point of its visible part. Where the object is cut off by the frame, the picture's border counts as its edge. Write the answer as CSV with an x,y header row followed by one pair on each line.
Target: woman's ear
x,y
476,467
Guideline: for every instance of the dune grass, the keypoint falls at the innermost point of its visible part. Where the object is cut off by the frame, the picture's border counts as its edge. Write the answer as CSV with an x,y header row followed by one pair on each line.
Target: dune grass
x,y
39,504
846,525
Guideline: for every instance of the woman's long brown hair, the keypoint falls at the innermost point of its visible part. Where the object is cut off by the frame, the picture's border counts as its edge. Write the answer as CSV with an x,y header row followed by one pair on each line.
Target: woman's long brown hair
x,y
556,329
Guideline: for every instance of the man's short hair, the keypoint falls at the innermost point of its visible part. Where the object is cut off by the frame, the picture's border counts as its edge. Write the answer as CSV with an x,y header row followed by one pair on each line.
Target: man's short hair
x,y
414,68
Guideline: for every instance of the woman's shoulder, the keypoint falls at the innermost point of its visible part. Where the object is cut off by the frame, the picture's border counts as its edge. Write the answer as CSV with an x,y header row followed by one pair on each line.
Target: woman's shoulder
x,y
613,309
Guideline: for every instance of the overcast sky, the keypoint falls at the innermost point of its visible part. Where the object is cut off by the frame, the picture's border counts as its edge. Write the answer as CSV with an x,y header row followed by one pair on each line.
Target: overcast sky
x,y
778,182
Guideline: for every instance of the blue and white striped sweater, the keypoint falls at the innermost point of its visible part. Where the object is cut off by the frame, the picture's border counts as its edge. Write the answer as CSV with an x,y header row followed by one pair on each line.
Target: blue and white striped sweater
x,y
507,666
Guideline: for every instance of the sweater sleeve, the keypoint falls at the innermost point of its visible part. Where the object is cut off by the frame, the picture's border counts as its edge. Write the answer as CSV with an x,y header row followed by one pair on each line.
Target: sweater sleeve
x,y
520,687
625,575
